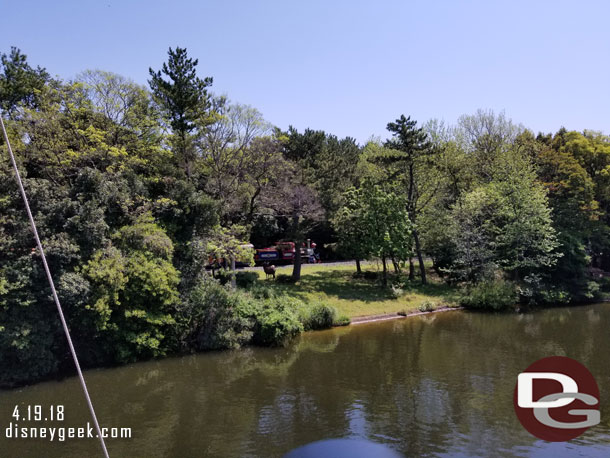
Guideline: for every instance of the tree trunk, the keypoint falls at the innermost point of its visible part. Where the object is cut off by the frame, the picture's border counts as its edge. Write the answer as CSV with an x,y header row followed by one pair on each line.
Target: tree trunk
x,y
358,268
396,265
233,280
422,268
296,270
411,269
385,272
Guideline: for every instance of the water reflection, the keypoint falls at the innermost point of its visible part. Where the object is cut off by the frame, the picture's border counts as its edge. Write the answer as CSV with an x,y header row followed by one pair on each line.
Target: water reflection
x,y
436,385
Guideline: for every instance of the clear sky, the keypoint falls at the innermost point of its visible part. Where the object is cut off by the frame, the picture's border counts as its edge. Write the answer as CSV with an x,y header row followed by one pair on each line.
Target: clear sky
x,y
348,67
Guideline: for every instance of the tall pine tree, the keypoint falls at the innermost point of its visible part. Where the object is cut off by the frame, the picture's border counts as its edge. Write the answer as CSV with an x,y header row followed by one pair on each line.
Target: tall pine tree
x,y
185,101
409,148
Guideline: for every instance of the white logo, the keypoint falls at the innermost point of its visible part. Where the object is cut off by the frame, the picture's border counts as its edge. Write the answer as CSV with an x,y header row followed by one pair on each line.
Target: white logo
x,y
525,393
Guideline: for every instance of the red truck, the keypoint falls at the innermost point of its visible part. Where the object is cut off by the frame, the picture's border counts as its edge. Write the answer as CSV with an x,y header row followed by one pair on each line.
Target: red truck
x,y
283,253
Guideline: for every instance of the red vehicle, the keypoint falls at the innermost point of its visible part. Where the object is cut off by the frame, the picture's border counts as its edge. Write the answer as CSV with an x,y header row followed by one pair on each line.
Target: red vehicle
x,y
266,254
284,252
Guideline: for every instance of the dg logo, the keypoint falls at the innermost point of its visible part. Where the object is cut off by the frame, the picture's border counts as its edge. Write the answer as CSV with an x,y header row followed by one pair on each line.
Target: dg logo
x,y
557,399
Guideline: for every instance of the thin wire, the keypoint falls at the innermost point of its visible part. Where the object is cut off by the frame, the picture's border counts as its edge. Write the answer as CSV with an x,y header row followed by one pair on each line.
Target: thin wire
x,y
59,309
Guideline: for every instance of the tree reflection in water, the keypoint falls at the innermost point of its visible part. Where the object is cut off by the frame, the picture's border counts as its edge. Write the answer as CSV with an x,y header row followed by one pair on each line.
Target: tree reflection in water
x,y
435,385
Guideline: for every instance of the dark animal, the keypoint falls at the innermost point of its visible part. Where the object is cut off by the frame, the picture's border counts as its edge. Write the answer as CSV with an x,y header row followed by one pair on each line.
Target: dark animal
x,y
269,270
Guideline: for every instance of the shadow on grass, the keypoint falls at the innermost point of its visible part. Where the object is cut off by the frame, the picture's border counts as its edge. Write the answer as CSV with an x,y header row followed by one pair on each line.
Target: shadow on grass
x,y
342,285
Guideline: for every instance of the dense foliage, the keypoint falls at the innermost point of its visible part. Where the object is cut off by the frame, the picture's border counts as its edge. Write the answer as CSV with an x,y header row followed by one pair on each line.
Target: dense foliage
x,y
133,188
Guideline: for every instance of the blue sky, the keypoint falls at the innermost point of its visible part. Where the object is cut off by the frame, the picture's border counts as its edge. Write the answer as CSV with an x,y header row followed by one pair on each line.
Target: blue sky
x,y
348,67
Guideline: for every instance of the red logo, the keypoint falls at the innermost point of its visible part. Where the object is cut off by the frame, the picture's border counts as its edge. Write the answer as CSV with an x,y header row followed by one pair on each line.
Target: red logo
x,y
557,399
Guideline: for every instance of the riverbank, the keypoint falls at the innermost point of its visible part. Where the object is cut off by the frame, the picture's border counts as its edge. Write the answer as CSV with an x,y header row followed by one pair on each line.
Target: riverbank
x,y
363,297
397,316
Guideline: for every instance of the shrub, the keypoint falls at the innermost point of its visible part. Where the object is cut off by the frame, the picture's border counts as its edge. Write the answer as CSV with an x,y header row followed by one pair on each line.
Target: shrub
x,y
276,323
604,284
246,279
396,291
592,290
427,306
490,295
320,316
216,317
133,299
535,290
555,296
342,320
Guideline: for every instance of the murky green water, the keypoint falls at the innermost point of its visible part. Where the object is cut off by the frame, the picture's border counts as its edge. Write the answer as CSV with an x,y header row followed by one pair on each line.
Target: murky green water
x,y
438,385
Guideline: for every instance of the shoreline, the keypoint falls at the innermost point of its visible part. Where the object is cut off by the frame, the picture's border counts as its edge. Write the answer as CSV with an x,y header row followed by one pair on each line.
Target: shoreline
x,y
394,316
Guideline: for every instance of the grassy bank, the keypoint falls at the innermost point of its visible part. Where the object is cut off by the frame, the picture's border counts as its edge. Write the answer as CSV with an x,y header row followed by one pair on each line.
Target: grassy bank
x,y
335,285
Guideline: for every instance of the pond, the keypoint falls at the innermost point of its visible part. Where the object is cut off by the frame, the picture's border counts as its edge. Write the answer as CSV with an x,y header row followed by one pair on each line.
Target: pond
x,y
433,385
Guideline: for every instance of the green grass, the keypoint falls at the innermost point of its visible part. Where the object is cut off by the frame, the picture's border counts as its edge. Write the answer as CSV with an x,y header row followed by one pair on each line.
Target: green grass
x,y
335,285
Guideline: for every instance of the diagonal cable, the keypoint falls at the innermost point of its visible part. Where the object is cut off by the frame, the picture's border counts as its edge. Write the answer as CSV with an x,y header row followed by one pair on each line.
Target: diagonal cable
x,y
50,278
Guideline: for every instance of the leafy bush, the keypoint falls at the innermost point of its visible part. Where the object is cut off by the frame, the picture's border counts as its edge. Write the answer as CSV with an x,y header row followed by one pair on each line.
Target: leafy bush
x,y
320,316
276,323
534,289
555,296
592,290
134,294
396,291
490,295
427,306
217,317
342,320
246,279
604,284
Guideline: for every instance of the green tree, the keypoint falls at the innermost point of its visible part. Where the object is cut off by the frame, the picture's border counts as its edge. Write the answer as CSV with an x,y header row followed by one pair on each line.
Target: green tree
x,y
375,223
265,163
184,98
409,149
134,292
349,224
451,175
484,135
328,165
20,84
505,224
571,167
126,104
226,154
293,200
